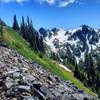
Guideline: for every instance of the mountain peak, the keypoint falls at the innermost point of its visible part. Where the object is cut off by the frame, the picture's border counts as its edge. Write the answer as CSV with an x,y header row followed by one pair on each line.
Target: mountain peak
x,y
79,40
86,27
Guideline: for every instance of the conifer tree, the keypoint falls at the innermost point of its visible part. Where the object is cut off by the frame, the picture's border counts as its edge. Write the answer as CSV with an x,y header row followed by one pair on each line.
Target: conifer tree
x,y
22,28
31,35
15,24
97,81
77,71
1,28
98,63
41,46
90,68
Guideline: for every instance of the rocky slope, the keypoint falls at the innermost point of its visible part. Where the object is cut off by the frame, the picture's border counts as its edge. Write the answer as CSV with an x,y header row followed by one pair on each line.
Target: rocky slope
x,y
21,79
72,43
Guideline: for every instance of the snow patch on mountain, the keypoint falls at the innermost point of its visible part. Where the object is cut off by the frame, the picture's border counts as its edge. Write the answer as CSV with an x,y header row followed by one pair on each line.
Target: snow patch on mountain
x,y
65,67
49,42
74,30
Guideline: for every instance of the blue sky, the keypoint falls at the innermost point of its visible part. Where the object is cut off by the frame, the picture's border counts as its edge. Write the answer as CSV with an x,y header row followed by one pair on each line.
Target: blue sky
x,y
53,13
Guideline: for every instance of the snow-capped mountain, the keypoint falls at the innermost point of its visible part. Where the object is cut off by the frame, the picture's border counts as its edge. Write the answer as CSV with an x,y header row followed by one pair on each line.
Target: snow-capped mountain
x,y
72,43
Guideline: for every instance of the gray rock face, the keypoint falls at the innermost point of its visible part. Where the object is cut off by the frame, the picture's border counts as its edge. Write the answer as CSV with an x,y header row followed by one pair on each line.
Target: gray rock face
x,y
21,79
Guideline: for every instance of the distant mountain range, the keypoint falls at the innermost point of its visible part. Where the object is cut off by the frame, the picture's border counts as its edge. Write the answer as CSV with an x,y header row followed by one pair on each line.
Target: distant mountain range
x,y
74,43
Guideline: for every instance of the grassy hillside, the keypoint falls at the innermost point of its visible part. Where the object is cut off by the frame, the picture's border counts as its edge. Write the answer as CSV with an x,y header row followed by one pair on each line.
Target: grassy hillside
x,y
14,40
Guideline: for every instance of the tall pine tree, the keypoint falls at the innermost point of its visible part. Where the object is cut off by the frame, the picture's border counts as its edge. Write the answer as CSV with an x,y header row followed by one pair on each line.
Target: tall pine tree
x,y
15,24
97,81
90,68
1,28
22,28
31,35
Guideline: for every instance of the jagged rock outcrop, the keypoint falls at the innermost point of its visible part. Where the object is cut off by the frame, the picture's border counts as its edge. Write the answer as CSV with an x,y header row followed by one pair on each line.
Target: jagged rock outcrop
x,y
21,79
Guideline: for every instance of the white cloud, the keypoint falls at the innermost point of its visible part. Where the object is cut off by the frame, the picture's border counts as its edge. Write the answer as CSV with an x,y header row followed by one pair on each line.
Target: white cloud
x,y
49,1
64,3
8,1
46,1
59,3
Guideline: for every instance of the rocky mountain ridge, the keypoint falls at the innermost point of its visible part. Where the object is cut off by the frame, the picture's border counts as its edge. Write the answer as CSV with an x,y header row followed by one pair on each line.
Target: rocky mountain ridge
x,y
21,79
72,43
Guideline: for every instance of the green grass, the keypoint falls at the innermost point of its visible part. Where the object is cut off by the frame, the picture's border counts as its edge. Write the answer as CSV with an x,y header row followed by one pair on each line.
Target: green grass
x,y
14,40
